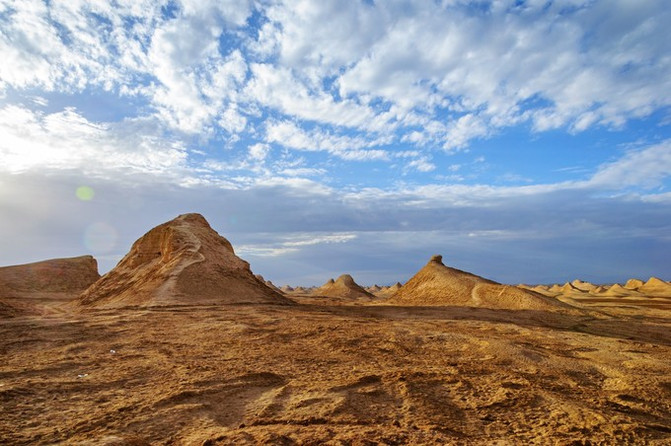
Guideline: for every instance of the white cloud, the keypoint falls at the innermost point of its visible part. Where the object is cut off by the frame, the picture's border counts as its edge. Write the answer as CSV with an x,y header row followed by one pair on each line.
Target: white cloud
x,y
289,134
293,244
422,165
66,140
259,151
430,75
647,167
279,89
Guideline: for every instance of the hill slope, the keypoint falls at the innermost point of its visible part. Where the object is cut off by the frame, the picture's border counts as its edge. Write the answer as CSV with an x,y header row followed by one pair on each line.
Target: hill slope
x,y
181,262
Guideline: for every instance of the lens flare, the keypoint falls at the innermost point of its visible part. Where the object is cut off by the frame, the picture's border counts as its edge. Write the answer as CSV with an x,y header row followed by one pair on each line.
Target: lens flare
x,y
85,193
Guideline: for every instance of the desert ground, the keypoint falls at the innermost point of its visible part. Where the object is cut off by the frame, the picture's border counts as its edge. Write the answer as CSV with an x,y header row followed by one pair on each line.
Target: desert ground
x,y
157,352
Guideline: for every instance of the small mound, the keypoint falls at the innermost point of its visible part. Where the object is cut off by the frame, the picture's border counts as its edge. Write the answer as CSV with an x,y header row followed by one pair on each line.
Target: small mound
x,y
585,287
437,284
556,289
598,290
373,289
617,290
181,262
633,284
656,287
389,291
569,288
344,286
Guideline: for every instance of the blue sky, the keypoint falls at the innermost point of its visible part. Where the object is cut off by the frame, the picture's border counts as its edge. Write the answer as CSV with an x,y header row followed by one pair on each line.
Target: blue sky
x,y
526,141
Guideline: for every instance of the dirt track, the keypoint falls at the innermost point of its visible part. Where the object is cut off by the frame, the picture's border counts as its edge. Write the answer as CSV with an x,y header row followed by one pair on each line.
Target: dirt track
x,y
312,374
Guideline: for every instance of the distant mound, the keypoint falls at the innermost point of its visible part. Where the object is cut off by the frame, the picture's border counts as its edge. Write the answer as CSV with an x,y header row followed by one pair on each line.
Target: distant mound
x,y
585,287
437,284
374,289
569,288
344,286
556,289
181,262
70,275
633,284
617,290
656,287
389,291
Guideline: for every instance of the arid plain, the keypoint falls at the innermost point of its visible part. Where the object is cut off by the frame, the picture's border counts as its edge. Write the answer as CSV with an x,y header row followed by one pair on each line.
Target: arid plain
x,y
182,344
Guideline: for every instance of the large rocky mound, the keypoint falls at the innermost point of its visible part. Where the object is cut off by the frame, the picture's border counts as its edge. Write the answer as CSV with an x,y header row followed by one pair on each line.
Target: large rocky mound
x,y
71,275
437,284
181,262
343,286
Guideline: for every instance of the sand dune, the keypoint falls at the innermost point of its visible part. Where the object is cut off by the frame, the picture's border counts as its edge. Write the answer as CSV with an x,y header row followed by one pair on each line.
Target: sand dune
x,y
437,284
345,287
181,262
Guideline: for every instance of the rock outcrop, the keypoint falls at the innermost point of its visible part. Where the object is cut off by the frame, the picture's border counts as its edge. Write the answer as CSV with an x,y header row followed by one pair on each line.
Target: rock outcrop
x,y
181,262
344,286
655,287
437,284
69,275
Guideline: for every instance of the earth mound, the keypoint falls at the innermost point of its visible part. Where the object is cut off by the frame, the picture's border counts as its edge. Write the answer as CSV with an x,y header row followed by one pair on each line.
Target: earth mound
x,y
633,284
389,291
344,286
439,285
180,262
656,287
585,287
617,290
50,276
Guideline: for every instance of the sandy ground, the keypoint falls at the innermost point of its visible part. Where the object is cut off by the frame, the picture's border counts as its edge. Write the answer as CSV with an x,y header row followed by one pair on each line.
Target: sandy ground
x,y
321,373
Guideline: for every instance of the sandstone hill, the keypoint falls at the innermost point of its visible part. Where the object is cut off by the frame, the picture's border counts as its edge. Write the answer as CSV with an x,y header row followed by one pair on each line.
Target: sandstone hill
x,y
344,286
70,275
437,284
655,287
181,262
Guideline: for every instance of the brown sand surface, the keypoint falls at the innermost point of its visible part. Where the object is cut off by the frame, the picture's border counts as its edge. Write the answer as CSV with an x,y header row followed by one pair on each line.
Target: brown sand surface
x,y
337,374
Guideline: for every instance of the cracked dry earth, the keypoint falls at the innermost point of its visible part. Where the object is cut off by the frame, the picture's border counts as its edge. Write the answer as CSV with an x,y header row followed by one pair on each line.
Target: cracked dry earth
x,y
336,374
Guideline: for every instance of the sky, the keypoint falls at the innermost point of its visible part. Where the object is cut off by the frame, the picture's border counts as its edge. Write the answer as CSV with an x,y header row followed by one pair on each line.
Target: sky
x,y
525,141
